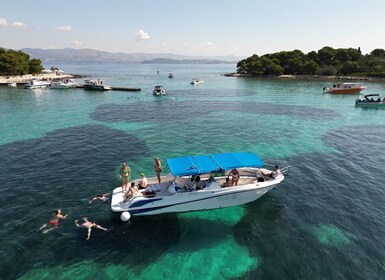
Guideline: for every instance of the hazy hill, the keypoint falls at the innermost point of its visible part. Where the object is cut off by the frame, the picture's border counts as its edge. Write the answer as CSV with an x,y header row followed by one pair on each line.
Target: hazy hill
x,y
93,56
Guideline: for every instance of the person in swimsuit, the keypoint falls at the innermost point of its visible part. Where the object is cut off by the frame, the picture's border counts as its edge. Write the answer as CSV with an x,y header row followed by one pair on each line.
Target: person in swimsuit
x,y
143,182
101,196
54,222
158,167
274,173
125,174
88,225
132,191
234,177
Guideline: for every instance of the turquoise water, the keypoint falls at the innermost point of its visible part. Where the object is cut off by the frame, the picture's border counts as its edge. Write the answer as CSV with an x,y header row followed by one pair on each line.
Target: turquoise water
x,y
58,148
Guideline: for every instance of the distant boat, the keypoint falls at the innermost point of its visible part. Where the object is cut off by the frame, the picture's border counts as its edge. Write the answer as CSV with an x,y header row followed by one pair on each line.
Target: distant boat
x,y
12,84
197,81
344,88
158,91
370,101
96,85
171,75
64,84
35,83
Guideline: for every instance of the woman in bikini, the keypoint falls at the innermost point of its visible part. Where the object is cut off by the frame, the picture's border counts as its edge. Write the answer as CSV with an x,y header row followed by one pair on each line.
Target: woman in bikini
x,y
234,177
125,173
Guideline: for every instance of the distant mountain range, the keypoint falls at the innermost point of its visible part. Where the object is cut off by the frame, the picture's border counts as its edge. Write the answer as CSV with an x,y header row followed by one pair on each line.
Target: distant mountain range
x,y
94,56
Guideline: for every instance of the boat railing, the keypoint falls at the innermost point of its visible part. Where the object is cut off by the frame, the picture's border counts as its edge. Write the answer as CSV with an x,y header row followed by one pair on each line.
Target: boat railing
x,y
282,164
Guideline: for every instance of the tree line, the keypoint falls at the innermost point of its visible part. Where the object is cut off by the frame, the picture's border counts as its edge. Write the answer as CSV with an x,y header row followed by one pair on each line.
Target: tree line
x,y
18,63
326,62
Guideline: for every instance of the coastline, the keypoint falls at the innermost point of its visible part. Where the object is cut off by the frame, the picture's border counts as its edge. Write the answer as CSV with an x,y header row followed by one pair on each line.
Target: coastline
x,y
23,79
307,77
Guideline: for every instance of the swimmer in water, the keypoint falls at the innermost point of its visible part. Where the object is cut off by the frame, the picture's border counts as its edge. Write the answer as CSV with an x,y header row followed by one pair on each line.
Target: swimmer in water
x,y
102,197
88,225
54,222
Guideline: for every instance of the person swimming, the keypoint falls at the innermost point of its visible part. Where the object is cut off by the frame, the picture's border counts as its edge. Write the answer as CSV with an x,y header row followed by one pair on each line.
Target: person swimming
x,y
101,196
54,222
88,225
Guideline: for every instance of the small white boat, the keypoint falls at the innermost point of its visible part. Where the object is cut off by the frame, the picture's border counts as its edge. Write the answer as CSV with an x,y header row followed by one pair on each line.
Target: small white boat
x,y
95,85
344,88
63,84
12,84
35,83
370,101
197,81
197,183
159,91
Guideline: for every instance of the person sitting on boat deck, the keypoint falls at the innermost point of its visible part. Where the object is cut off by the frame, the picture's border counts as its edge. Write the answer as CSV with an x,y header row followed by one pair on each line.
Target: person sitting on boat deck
x,y
274,173
227,183
54,222
143,182
234,173
132,191
101,196
88,225
158,167
125,173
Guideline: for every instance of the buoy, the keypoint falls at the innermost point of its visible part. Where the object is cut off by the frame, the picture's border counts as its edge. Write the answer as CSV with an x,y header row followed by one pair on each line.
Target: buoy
x,y
125,216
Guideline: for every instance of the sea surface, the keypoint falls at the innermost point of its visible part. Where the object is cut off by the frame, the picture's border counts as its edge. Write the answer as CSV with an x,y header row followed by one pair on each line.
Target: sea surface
x,y
59,148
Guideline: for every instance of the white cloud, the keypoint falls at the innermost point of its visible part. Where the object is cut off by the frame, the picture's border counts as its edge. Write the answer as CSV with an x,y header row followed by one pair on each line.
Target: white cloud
x,y
3,22
141,35
66,28
208,46
76,43
18,24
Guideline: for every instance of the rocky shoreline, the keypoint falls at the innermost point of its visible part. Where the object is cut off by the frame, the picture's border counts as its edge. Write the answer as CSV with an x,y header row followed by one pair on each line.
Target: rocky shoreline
x,y
23,79
308,77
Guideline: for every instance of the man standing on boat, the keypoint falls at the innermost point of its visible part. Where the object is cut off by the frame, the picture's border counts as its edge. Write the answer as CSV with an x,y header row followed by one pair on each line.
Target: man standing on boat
x,y
125,174
158,167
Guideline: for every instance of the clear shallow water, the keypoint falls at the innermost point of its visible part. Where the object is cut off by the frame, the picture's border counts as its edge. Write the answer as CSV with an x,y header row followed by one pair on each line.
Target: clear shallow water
x,y
58,148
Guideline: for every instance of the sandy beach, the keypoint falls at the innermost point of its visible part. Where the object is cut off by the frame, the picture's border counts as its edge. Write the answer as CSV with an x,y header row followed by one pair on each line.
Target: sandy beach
x,y
25,78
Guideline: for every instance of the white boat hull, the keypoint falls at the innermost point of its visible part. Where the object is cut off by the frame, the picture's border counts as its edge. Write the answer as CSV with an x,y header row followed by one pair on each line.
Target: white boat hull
x,y
196,200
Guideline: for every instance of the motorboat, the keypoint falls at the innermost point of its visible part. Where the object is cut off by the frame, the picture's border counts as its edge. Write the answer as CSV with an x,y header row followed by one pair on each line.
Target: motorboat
x,y
35,83
158,91
64,84
95,85
12,84
344,88
171,75
198,183
197,81
370,101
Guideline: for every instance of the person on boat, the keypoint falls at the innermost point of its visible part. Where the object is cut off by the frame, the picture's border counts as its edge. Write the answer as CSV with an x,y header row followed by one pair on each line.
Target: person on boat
x,y
125,174
274,173
101,196
132,191
234,173
158,167
143,182
88,225
227,183
54,222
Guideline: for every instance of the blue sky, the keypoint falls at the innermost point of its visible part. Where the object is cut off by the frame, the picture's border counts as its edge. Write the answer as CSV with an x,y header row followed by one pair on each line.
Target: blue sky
x,y
204,28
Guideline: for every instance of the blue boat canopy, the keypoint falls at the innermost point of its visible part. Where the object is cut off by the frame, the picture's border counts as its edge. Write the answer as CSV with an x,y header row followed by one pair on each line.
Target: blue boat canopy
x,y
191,165
229,161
